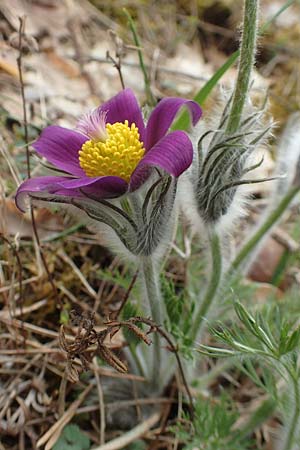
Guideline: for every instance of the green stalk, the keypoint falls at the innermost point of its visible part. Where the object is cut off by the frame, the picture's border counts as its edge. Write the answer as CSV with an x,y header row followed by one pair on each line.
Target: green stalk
x,y
246,62
290,437
216,275
150,279
183,122
150,98
247,57
264,228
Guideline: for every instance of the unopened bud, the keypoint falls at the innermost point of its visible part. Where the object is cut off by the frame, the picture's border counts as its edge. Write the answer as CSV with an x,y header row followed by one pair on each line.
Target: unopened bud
x,y
221,165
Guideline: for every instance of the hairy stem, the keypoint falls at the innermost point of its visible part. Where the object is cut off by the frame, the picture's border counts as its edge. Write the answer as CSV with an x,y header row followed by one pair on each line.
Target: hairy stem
x,y
151,290
216,275
247,58
290,439
264,228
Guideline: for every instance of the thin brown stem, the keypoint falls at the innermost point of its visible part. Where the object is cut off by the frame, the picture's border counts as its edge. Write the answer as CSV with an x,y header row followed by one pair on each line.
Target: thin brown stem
x,y
154,327
101,405
118,65
20,281
19,63
180,367
126,296
74,27
20,70
19,263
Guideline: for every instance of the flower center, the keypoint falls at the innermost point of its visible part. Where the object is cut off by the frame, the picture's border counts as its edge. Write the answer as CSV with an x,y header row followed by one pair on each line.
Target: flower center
x,y
118,155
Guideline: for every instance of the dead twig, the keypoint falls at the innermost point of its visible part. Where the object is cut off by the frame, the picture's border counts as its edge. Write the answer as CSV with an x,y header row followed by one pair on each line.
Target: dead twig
x,y
76,35
62,254
52,435
87,336
20,70
132,435
162,69
101,405
20,272
116,314
154,327
120,52
117,65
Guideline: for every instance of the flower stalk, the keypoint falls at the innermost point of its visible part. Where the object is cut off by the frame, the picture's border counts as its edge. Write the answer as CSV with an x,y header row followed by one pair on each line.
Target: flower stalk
x,y
247,59
233,126
216,276
151,290
290,439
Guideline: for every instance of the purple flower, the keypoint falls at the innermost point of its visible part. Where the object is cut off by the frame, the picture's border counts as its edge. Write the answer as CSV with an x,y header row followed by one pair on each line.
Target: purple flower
x,y
111,151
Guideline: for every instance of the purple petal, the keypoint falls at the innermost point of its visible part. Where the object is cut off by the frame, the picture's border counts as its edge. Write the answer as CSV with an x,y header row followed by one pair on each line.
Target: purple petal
x,y
60,146
124,106
173,153
100,187
163,115
37,185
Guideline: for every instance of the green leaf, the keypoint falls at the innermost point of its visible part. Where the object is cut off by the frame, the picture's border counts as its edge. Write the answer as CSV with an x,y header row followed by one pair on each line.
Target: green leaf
x,y
212,426
182,123
137,445
64,317
287,342
174,301
72,438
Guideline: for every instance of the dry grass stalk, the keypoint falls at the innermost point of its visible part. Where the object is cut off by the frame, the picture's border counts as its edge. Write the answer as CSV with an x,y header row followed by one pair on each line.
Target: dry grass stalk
x,y
132,435
52,435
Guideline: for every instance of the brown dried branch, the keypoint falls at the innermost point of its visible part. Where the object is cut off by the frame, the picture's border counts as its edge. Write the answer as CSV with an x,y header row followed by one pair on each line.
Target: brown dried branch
x,y
120,52
155,328
52,435
118,65
87,336
116,314
20,70
20,271
102,423
22,21
74,26
132,435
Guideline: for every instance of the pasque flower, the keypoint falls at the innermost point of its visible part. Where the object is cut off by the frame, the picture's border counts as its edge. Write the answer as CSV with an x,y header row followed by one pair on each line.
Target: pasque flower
x,y
111,151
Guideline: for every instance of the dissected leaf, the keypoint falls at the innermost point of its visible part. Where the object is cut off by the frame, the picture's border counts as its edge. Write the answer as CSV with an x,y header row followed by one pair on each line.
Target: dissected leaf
x,y
72,438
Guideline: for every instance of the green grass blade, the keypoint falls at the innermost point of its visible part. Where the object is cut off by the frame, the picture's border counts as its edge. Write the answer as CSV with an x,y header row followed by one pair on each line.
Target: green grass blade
x,y
150,98
183,121
266,25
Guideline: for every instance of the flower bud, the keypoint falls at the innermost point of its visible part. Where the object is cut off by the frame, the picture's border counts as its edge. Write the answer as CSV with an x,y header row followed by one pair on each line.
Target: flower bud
x,y
221,165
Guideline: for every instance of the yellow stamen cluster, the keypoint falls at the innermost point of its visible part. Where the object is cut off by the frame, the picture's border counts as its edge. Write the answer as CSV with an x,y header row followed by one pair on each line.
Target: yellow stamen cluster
x,y
118,155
